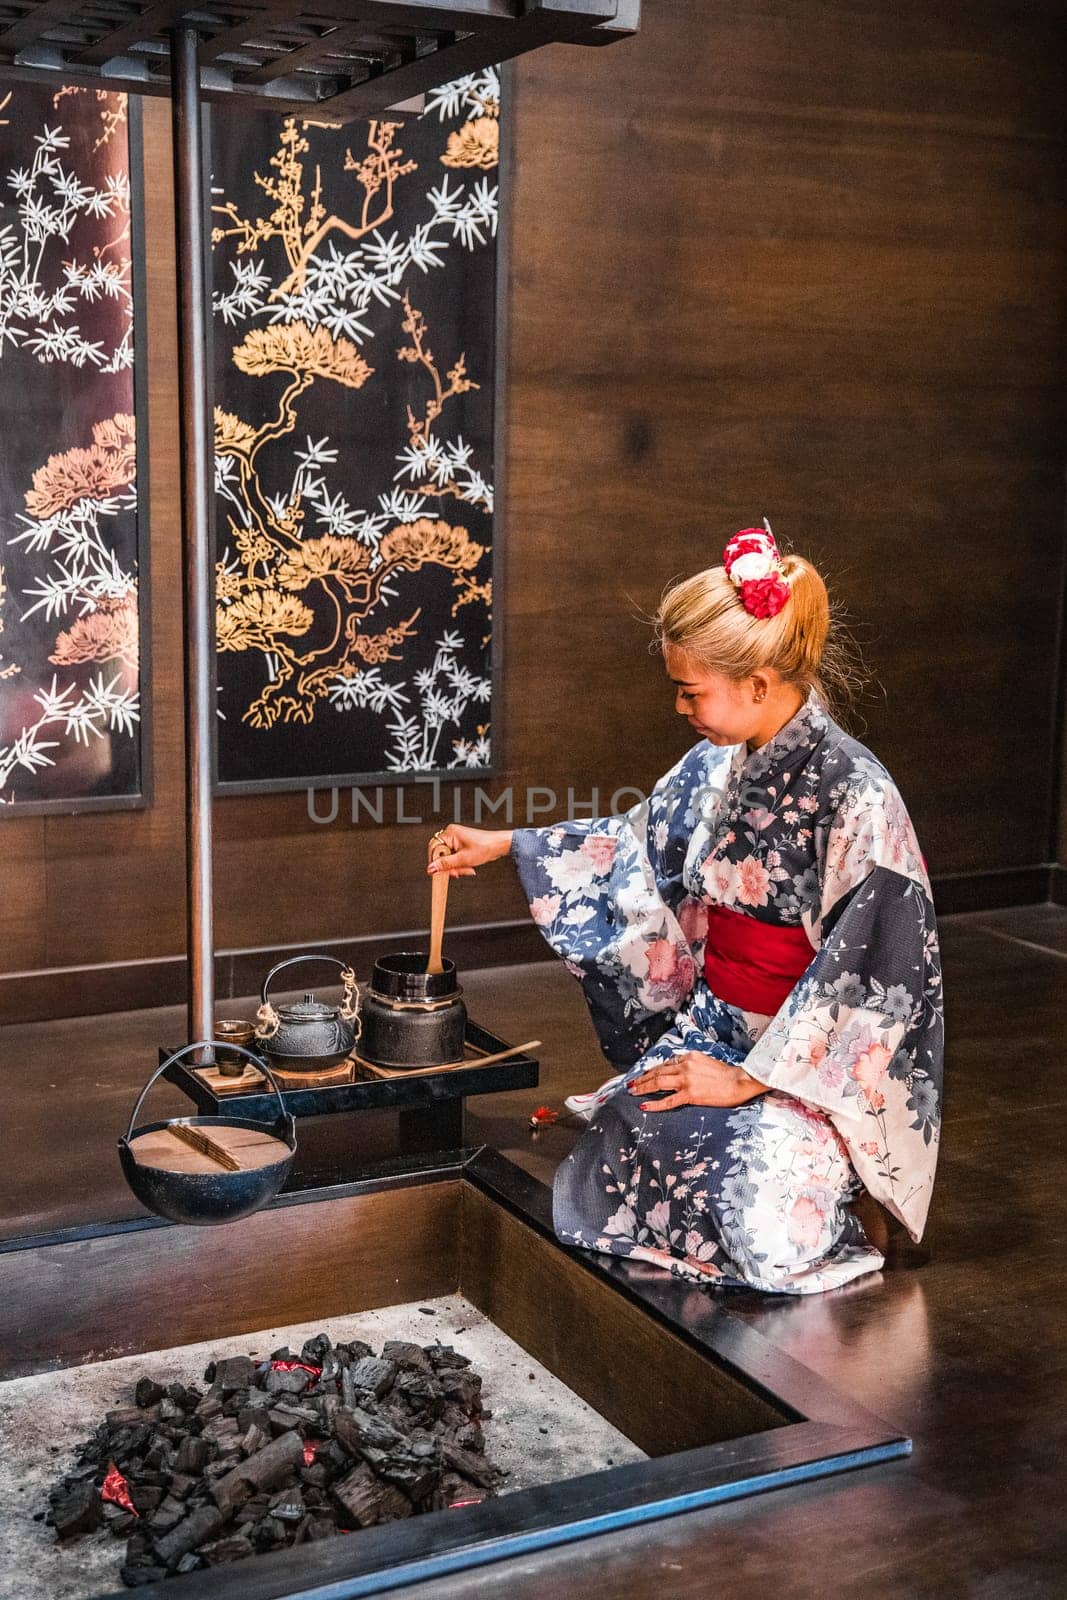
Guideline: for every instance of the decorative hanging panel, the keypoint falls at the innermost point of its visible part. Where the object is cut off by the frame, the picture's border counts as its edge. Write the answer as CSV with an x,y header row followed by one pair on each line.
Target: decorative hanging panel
x,y
71,574
355,339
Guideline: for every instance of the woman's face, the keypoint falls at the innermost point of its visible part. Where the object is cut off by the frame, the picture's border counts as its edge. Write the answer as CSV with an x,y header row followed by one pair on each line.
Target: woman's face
x,y
720,709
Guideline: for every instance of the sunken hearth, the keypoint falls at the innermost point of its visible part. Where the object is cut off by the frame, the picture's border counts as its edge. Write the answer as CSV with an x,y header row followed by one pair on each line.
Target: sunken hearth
x,y
617,1393
512,1422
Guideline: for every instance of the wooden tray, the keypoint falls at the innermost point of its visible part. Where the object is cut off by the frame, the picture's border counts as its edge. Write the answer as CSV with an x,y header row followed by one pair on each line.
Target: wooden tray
x,y
349,1071
435,1094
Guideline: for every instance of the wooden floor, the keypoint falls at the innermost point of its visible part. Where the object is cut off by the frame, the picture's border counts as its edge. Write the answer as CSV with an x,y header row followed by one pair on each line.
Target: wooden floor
x,y
962,1340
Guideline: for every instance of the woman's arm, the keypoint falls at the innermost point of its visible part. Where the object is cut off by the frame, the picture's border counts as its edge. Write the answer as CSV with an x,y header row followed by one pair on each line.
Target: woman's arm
x,y
603,896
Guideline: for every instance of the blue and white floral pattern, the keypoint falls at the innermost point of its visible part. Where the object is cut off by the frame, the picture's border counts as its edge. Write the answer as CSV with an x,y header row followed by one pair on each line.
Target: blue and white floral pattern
x,y
807,831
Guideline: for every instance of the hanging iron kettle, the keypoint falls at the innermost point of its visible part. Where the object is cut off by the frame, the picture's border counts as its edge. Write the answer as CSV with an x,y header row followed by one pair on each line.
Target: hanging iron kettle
x,y
205,1170
308,1035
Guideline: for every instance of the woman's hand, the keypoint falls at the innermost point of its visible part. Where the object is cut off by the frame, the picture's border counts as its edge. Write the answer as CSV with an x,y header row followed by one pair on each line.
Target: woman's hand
x,y
696,1080
468,848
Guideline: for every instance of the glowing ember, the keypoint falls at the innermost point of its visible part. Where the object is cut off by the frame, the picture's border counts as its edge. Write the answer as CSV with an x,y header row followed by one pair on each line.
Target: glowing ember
x,y
117,1490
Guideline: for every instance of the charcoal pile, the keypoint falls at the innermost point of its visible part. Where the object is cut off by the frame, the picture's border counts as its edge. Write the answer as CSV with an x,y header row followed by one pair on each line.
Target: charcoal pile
x,y
278,1453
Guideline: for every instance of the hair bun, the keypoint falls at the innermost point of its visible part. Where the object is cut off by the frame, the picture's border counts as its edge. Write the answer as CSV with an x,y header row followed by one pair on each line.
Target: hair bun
x,y
753,564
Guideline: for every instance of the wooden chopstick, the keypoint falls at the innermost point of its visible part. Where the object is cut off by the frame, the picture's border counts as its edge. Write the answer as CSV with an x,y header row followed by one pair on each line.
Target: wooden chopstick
x,y
499,1055
207,1146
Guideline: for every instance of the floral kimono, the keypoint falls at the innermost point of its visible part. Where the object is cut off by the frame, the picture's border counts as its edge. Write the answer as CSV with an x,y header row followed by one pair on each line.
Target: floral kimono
x,y
809,833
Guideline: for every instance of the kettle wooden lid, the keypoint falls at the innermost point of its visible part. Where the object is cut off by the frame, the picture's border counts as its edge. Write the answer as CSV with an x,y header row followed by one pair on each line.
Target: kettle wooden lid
x,y
220,1147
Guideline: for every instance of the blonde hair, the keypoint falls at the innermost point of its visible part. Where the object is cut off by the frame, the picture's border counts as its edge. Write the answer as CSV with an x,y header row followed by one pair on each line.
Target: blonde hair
x,y
805,643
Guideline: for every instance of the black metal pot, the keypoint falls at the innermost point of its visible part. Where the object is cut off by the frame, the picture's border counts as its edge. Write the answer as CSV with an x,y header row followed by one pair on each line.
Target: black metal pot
x,y
308,1035
412,1018
204,1198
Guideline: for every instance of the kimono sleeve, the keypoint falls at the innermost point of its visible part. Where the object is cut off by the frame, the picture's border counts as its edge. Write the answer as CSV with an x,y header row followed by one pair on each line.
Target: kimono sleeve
x,y
861,1036
609,897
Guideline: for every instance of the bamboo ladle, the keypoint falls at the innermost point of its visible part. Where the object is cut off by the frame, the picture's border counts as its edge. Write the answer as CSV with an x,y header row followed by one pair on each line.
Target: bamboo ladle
x,y
439,892
438,902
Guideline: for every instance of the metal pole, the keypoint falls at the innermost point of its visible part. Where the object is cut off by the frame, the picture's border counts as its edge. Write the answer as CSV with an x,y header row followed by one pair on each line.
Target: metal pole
x,y
194,404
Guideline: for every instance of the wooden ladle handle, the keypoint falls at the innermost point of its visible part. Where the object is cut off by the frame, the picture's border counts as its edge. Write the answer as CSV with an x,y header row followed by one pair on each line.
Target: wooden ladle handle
x,y
438,902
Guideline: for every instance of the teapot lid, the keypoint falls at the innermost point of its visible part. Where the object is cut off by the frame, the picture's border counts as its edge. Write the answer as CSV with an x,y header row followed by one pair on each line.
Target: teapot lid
x,y
309,1007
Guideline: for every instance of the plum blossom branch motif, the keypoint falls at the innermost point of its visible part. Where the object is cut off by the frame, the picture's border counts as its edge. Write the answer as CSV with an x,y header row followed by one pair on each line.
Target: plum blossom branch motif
x,y
111,108
436,469
302,228
341,288
312,578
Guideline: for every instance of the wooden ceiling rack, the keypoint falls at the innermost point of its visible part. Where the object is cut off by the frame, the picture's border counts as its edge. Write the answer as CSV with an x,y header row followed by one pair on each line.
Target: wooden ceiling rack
x,y
344,58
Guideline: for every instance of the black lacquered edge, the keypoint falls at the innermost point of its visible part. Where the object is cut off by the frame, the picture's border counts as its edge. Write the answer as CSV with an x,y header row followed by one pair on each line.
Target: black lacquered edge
x,y
702,1318
424,1548
414,1089
407,1171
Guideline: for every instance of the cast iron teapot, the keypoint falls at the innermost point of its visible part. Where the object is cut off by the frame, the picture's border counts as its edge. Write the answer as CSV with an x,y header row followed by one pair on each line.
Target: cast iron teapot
x,y
308,1035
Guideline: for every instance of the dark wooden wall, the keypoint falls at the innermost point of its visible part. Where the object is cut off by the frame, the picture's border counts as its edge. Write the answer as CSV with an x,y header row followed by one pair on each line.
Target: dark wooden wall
x,y
794,258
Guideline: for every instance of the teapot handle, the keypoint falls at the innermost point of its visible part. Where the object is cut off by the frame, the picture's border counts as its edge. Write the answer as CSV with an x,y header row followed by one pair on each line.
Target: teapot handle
x,y
199,1045
268,1020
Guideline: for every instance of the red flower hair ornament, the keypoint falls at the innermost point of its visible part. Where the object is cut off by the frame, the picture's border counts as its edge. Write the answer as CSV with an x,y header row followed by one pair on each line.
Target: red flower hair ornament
x,y
754,566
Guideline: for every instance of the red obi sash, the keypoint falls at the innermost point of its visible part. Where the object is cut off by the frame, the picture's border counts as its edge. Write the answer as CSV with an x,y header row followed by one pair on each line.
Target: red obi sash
x,y
753,964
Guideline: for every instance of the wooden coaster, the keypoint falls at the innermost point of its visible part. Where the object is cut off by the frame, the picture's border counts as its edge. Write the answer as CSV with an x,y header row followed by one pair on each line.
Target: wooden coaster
x,y
341,1073
251,1077
221,1084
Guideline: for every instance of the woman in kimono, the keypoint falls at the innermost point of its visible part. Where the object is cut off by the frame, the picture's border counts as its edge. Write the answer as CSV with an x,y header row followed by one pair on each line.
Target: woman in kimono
x,y
758,949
